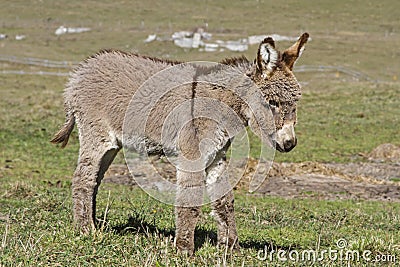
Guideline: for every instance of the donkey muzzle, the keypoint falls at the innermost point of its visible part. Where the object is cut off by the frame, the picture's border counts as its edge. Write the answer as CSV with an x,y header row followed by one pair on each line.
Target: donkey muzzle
x,y
286,139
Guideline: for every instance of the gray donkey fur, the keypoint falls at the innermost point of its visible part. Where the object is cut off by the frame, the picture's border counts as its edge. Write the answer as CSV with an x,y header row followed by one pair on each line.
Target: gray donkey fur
x,y
99,92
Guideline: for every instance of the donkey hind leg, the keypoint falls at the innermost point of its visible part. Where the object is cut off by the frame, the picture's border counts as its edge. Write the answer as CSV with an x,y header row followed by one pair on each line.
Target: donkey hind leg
x,y
189,198
220,192
92,165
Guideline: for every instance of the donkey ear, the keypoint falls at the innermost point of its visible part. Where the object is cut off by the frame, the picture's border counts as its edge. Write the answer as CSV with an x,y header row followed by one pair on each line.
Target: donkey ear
x,y
267,56
290,55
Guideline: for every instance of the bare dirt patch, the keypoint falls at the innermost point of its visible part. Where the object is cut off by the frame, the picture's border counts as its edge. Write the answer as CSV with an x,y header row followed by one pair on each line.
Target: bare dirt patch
x,y
378,179
372,181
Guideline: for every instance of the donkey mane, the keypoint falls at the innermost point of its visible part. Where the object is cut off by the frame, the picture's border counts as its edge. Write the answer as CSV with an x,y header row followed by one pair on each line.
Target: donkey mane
x,y
129,54
235,61
230,61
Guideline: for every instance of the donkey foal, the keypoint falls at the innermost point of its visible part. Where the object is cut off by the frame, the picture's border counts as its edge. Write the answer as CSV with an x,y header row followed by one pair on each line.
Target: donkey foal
x,y
96,99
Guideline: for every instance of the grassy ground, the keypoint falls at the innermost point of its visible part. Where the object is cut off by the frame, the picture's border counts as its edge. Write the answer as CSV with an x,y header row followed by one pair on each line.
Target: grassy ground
x,y
339,119
36,229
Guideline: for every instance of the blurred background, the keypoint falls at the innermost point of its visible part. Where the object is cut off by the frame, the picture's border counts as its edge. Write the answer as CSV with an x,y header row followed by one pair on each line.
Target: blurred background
x,y
361,35
349,70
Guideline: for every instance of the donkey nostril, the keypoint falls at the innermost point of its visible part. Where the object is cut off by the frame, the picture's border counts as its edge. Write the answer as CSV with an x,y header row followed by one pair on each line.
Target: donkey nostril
x,y
289,144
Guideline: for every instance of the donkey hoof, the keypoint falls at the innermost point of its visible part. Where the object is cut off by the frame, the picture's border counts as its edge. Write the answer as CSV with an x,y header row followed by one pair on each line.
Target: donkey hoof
x,y
184,248
85,229
186,251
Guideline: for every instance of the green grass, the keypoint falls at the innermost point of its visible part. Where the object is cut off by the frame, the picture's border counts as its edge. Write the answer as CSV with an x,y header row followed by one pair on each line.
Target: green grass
x,y
36,228
339,119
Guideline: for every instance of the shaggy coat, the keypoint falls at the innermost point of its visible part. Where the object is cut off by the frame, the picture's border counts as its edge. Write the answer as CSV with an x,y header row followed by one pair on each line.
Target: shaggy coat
x,y
96,99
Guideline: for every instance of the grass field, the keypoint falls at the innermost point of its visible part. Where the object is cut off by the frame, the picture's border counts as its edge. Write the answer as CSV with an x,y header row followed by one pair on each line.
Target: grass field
x,y
340,119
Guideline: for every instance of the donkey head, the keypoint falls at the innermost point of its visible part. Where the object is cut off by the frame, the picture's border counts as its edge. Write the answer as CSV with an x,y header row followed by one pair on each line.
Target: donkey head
x,y
273,74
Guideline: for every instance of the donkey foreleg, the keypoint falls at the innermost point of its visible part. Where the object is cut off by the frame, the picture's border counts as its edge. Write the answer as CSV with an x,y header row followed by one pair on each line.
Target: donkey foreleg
x,y
220,192
189,199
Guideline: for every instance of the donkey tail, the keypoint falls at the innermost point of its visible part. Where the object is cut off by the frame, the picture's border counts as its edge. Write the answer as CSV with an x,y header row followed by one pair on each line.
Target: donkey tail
x,y
63,134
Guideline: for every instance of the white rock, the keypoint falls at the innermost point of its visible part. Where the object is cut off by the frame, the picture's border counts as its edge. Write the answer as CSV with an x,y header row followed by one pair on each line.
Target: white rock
x,y
63,30
151,38
196,40
20,37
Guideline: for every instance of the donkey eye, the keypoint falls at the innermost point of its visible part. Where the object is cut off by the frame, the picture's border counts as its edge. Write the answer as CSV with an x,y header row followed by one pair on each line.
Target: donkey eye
x,y
273,103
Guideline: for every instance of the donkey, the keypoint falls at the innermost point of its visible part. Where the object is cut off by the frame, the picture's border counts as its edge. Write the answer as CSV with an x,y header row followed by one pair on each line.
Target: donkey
x,y
96,99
